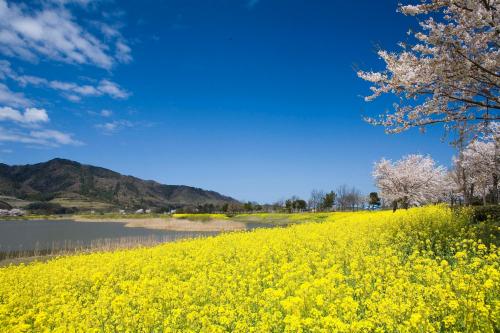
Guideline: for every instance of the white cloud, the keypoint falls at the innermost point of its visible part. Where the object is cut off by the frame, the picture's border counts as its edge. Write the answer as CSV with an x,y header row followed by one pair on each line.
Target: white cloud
x,y
48,138
72,91
83,3
112,89
75,91
8,97
31,116
25,80
5,70
47,30
107,30
34,115
123,52
11,136
56,137
114,126
73,98
53,32
85,90
106,113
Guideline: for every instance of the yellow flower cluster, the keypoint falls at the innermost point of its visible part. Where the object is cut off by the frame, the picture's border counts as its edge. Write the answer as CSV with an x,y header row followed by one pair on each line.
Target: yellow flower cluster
x,y
421,270
284,217
201,216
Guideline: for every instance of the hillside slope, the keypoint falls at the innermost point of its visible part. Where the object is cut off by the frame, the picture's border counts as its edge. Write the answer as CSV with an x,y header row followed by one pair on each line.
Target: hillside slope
x,y
60,179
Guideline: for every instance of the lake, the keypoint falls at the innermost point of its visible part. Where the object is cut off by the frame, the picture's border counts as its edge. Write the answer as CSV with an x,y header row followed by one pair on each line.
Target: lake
x,y
24,238
42,235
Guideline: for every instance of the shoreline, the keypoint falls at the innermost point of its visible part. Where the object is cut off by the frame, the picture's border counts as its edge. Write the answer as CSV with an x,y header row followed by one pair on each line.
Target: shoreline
x,y
166,224
170,223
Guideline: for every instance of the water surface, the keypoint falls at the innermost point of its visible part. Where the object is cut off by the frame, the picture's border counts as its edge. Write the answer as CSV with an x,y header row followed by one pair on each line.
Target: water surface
x,y
29,235
45,236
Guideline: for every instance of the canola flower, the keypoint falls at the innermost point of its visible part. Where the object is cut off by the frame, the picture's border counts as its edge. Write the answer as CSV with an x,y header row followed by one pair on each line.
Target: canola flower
x,y
421,270
196,217
284,217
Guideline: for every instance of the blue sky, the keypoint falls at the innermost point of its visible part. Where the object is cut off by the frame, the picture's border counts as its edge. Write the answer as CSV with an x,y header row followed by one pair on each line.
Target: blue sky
x,y
255,99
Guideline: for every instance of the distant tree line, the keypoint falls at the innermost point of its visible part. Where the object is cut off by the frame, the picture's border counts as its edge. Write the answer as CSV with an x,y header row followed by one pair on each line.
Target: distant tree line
x,y
342,199
49,208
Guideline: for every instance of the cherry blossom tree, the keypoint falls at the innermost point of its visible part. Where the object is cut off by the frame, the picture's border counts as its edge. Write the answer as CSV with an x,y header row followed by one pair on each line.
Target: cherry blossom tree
x,y
456,188
413,180
447,73
460,180
480,162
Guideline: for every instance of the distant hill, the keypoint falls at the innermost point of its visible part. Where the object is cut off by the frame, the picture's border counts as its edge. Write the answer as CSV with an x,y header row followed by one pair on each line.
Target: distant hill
x,y
68,182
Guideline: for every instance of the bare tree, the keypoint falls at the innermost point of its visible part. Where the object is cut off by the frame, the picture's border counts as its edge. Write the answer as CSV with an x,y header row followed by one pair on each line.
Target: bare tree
x,y
316,199
354,198
348,197
278,205
342,196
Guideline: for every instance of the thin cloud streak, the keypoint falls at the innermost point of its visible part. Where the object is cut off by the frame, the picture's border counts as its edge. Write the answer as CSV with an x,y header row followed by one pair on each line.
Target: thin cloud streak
x,y
15,99
70,90
47,137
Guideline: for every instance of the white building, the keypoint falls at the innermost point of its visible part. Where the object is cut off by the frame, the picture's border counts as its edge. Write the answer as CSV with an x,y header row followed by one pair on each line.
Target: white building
x,y
11,212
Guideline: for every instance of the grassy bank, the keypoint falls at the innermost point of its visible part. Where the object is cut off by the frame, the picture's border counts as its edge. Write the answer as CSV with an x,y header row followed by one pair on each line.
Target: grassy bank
x,y
70,248
34,217
422,270
262,218
200,217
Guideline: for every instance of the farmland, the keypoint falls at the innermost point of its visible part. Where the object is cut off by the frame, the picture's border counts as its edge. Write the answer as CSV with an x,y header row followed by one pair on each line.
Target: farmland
x,y
421,270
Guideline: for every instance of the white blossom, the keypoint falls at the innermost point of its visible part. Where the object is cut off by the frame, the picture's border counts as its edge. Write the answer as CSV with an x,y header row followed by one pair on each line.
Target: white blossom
x,y
480,164
449,75
413,180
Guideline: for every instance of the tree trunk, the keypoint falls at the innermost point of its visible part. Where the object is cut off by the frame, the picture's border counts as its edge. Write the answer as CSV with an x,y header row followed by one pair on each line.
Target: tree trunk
x,y
496,171
495,189
405,203
461,171
465,189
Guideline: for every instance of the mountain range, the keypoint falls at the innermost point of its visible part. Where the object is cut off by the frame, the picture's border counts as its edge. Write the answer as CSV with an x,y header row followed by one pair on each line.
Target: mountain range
x,y
74,184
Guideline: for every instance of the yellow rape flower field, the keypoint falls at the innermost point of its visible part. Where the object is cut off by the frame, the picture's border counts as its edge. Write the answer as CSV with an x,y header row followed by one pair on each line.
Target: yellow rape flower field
x,y
421,270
